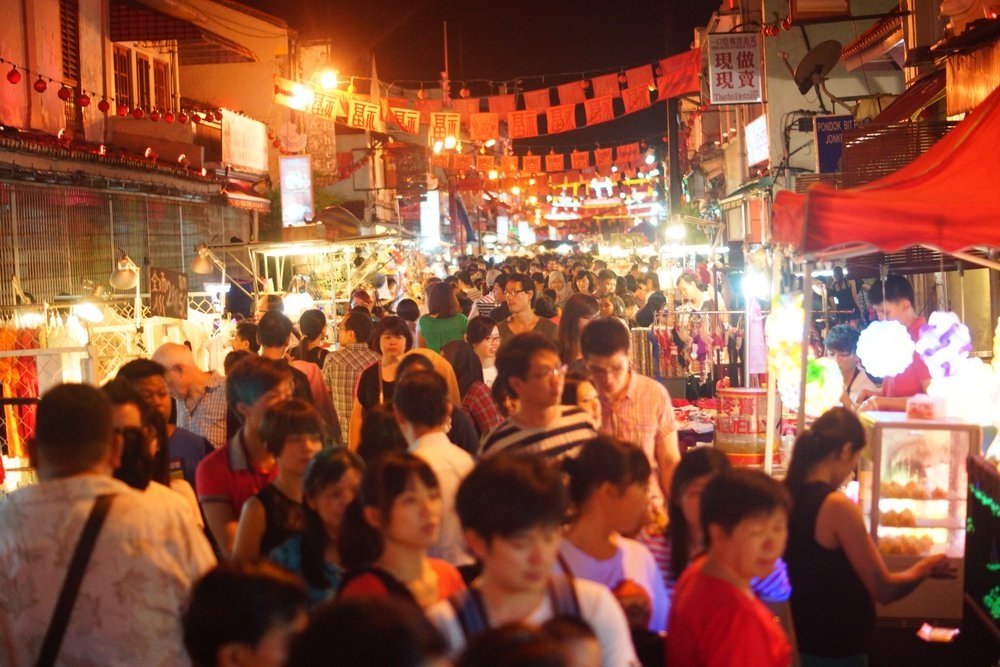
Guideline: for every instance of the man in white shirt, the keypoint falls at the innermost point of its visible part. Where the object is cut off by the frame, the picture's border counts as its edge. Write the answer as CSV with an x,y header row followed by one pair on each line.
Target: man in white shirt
x,y
147,555
423,412
512,508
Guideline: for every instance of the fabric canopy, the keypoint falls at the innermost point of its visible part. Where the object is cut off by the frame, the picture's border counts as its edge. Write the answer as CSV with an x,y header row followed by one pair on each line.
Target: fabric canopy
x,y
946,198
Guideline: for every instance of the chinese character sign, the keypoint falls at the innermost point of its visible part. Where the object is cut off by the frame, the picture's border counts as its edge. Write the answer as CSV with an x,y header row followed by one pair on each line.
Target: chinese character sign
x,y
444,125
734,68
362,115
408,120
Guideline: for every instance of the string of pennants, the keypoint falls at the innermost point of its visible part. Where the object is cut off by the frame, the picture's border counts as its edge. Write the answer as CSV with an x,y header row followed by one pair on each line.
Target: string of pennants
x,y
527,114
627,157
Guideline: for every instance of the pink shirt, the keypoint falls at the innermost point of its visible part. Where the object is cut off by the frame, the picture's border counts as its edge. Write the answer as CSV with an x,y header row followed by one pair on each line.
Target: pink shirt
x,y
911,381
225,476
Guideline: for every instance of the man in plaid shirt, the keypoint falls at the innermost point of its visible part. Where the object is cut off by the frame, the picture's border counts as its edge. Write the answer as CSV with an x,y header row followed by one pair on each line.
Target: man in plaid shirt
x,y
343,367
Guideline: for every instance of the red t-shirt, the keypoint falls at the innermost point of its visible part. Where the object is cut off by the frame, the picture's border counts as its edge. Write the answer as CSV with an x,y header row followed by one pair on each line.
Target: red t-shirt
x,y
369,585
226,476
911,381
714,624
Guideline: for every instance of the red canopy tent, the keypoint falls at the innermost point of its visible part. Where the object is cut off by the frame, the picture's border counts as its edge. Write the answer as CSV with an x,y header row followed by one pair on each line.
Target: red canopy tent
x,y
946,199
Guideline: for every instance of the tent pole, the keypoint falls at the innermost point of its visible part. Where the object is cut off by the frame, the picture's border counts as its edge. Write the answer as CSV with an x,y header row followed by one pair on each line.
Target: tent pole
x,y
800,420
772,379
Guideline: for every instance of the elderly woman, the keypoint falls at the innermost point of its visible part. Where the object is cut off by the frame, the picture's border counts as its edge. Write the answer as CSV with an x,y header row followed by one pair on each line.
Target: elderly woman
x,y
842,345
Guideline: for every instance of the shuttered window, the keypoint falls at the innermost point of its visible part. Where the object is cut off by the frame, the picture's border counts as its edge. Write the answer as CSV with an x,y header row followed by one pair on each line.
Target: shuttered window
x,y
143,76
69,32
161,86
123,76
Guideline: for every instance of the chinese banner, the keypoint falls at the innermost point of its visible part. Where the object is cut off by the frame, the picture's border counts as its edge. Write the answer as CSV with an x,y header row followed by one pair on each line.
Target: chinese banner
x,y
531,164
408,120
461,162
484,126
426,108
522,124
639,77
561,118
571,93
606,85
485,163
579,159
600,109
680,74
635,99
325,106
603,157
465,108
443,124
734,68
362,115
509,164
502,104
628,152
536,100
555,162
442,160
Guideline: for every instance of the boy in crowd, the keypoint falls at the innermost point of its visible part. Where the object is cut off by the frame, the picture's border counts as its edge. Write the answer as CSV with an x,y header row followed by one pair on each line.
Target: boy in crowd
x,y
715,619
511,508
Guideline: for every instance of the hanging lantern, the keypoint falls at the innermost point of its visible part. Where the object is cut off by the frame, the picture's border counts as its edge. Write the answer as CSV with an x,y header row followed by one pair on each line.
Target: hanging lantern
x,y
65,93
218,114
40,86
138,113
154,115
210,117
464,92
420,94
786,23
13,76
104,106
276,143
122,110
168,117
195,118
83,99
182,118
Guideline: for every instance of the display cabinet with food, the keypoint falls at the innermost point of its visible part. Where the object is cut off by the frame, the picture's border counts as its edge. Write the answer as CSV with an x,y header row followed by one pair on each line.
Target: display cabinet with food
x,y
917,503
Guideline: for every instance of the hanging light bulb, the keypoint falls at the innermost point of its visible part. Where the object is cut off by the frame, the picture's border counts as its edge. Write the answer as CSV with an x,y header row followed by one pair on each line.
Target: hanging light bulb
x,y
65,93
40,86
14,76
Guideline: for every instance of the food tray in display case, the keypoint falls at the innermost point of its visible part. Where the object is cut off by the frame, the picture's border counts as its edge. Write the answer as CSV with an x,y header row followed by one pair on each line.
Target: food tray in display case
x,y
918,504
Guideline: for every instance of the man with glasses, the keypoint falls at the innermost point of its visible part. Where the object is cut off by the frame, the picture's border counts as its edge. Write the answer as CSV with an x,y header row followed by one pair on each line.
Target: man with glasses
x,y
529,367
520,295
634,408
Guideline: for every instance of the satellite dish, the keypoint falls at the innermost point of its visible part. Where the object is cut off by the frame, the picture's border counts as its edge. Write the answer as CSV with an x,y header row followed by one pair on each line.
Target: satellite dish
x,y
817,63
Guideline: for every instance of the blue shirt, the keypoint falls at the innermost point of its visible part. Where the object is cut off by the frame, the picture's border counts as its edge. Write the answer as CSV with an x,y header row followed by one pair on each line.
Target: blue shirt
x,y
289,556
186,450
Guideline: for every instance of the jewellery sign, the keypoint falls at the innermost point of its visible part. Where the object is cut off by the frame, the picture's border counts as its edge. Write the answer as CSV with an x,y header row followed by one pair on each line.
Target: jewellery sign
x,y
734,68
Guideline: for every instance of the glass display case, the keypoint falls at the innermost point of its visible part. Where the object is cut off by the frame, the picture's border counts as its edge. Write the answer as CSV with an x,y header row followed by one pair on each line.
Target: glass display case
x,y
916,504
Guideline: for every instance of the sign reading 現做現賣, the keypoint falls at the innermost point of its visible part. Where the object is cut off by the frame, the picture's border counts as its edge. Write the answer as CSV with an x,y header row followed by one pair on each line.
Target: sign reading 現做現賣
x,y
734,68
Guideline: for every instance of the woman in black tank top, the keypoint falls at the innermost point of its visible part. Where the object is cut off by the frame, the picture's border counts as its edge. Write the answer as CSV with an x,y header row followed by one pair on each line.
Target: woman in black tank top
x,y
836,571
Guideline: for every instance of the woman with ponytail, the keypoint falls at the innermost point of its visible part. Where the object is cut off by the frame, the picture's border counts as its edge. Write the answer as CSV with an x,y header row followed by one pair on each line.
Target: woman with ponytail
x,y
836,571
312,324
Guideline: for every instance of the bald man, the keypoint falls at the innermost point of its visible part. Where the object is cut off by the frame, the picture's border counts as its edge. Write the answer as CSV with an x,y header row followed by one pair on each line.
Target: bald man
x,y
200,395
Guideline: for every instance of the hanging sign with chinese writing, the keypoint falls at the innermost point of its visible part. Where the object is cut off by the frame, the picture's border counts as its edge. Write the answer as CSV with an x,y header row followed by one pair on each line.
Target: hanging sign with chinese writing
x,y
362,115
734,68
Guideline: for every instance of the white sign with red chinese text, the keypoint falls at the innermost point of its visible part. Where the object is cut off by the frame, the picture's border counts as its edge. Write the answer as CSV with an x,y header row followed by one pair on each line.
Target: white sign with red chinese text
x,y
734,68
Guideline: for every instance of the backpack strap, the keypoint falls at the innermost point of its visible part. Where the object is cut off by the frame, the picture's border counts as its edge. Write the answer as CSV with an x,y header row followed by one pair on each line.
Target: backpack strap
x,y
562,593
470,612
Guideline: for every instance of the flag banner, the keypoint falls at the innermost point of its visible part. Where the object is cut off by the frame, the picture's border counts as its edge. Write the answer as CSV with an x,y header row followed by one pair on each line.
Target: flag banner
x,y
628,152
362,115
635,99
443,124
442,160
399,102
604,157
426,108
536,100
531,164
555,162
600,109
606,85
561,118
461,162
465,108
579,159
408,120
485,163
484,126
680,74
571,93
502,104
639,77
521,124
509,164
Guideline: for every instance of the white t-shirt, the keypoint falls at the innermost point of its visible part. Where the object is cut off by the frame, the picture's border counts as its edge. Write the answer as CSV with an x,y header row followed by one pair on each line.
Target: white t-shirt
x,y
633,561
489,375
598,607
450,464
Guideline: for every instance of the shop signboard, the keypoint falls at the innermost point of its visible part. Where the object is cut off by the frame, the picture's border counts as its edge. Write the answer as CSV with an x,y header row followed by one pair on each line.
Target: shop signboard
x,y
757,141
296,189
244,142
734,68
168,293
828,133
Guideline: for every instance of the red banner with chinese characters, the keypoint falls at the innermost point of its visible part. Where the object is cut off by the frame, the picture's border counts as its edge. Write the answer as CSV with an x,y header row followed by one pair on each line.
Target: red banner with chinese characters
x,y
628,152
465,108
555,162
485,163
502,104
408,120
521,124
531,164
444,124
427,107
579,159
509,164
561,118
635,99
571,93
536,100
600,109
362,115
461,162
484,126
639,77
679,74
604,157
606,85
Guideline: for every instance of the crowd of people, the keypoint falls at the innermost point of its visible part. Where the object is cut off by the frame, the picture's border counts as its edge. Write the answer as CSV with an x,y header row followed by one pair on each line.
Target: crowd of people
x,y
479,479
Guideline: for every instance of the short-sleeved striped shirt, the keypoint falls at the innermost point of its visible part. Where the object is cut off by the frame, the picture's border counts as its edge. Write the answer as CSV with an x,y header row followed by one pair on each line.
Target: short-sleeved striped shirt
x,y
562,437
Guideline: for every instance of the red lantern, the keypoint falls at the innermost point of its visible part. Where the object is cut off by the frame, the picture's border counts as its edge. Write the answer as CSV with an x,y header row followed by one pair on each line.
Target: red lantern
x,y
122,110
138,113
195,118
154,115
210,117
168,117
83,99
622,80
64,93
464,92
276,143
218,114
421,94
40,86
13,76
585,84
786,23
104,106
182,118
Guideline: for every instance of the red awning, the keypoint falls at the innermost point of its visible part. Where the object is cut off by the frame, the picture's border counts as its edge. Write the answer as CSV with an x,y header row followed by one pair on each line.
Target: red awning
x,y
132,22
945,198
915,99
